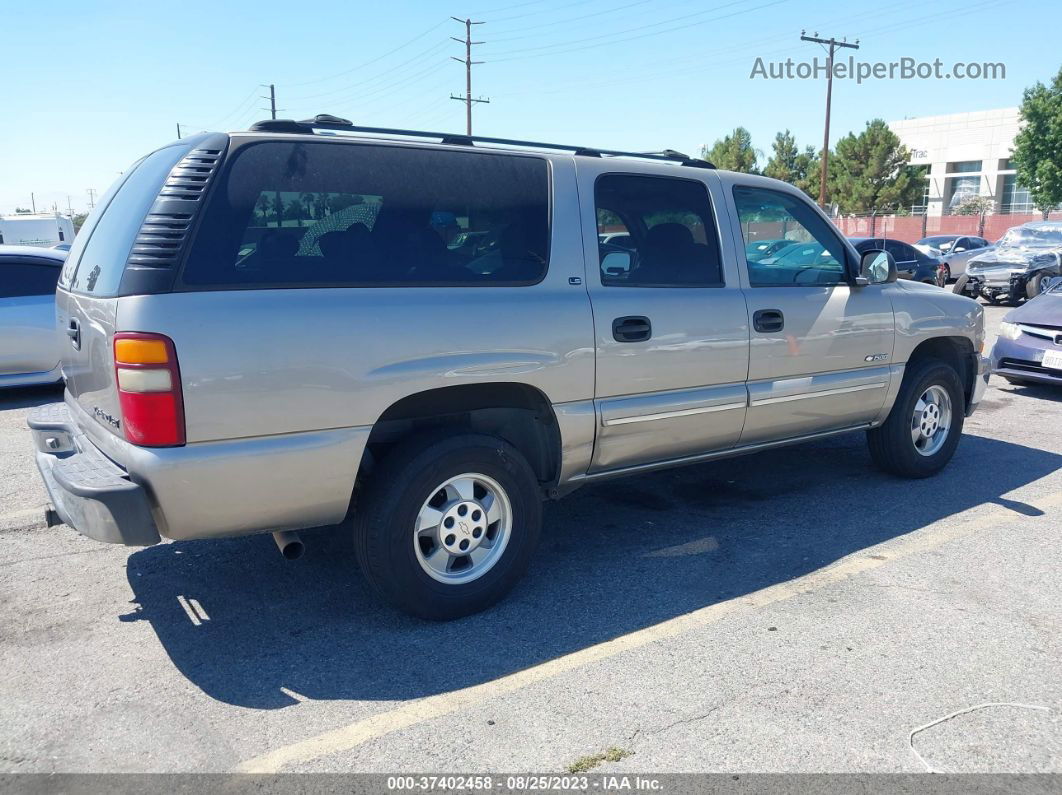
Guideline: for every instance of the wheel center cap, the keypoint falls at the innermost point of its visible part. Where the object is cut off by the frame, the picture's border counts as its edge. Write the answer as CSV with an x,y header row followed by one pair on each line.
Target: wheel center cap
x,y
463,527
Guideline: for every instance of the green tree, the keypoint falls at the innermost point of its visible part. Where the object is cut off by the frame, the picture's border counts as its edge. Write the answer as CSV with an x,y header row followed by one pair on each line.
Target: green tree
x,y
1038,146
789,164
871,172
79,221
733,152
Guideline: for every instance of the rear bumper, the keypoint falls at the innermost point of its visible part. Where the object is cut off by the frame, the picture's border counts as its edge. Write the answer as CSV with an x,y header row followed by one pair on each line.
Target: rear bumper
x,y
90,492
204,490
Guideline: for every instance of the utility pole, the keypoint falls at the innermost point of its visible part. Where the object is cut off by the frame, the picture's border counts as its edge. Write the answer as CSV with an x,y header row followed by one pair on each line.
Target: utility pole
x,y
178,131
33,202
468,62
272,99
834,44
92,198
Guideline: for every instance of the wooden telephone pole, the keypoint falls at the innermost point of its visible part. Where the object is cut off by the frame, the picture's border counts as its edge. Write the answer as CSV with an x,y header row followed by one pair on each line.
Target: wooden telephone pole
x,y
833,44
468,62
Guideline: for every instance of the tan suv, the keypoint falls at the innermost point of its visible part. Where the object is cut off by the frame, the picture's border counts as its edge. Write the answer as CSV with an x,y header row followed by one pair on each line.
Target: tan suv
x,y
280,329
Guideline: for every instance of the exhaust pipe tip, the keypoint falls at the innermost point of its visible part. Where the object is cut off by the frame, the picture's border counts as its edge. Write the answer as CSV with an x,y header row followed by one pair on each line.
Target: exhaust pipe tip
x,y
289,544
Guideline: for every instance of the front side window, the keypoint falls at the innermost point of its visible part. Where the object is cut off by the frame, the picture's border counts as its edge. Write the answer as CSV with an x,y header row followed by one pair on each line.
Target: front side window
x,y
803,249
666,232
312,214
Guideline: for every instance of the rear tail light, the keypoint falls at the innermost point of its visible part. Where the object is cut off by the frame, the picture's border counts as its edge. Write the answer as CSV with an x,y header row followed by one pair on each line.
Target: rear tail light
x,y
149,389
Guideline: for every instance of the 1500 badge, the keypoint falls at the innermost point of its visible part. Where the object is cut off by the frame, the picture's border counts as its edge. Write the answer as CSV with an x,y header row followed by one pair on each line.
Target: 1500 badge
x,y
876,357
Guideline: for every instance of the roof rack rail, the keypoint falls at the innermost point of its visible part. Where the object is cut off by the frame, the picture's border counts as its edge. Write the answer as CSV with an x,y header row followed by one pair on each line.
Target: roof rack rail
x,y
328,122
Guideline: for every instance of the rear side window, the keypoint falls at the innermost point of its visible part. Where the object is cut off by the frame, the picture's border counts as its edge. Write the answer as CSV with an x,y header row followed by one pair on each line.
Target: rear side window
x,y
671,237
21,277
97,264
311,214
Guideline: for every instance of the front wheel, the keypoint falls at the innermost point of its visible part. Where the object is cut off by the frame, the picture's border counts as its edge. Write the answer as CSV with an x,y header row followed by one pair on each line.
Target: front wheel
x,y
960,286
447,524
922,430
1037,285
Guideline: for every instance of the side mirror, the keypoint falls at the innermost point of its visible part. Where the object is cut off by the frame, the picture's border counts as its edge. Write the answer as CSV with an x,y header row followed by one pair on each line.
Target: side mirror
x,y
616,263
876,267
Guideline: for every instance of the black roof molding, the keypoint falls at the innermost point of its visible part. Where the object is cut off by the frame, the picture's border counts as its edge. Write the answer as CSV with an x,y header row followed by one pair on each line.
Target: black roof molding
x,y
327,122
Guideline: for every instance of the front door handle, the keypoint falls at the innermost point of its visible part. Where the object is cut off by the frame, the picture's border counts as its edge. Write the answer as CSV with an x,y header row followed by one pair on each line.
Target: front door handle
x,y
768,321
633,328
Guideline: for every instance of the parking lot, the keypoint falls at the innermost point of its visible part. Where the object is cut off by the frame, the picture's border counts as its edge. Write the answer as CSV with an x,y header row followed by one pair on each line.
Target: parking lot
x,y
795,610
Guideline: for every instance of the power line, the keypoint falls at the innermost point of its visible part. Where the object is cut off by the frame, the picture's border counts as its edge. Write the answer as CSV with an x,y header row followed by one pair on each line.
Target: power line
x,y
574,45
834,45
371,61
468,62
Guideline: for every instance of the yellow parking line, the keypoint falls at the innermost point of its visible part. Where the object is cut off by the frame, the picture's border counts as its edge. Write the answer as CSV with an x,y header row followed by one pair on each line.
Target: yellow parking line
x,y
425,709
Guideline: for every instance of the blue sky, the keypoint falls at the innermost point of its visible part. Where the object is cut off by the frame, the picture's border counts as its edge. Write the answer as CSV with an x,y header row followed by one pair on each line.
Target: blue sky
x,y
91,86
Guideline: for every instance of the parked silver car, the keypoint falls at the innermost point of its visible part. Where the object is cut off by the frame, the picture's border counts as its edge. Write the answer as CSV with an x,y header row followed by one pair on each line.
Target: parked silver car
x,y
29,341
955,250
264,332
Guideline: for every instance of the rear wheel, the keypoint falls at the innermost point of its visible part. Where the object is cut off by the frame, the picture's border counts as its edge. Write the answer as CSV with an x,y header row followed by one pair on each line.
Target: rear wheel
x,y
447,524
922,430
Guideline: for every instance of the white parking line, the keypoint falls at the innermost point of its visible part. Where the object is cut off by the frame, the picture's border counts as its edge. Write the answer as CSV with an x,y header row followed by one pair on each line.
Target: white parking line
x,y
414,712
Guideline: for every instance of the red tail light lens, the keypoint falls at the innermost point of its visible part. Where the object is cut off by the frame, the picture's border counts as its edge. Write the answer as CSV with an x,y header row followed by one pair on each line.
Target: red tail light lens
x,y
149,389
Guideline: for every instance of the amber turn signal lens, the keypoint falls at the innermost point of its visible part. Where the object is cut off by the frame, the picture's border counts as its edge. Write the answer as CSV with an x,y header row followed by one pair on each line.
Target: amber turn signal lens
x,y
137,351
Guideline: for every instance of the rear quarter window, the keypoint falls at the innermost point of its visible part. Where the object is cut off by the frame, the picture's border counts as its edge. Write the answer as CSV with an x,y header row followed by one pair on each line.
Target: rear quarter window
x,y
294,214
97,259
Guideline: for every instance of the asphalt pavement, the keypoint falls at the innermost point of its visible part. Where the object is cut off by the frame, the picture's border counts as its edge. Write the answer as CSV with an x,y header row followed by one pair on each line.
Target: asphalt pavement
x,y
795,610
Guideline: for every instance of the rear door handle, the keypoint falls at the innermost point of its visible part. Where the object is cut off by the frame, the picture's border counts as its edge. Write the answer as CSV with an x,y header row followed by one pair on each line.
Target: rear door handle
x,y
73,331
633,328
768,321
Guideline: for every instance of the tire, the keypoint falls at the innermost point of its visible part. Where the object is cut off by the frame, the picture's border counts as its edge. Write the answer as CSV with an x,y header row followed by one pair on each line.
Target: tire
x,y
1035,285
400,490
960,285
892,445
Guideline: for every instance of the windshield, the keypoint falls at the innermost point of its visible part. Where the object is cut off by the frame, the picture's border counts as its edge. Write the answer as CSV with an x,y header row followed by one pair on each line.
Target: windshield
x,y
1031,236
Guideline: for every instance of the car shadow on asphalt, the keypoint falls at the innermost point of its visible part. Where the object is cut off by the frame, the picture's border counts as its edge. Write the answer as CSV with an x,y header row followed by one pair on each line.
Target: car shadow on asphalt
x,y
241,623
25,397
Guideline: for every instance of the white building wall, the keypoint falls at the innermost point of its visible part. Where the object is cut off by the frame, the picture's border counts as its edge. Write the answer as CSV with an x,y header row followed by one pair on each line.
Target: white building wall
x,y
942,141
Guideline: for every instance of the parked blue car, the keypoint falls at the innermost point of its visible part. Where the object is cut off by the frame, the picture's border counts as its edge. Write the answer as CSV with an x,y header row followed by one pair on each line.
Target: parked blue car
x,y
1029,348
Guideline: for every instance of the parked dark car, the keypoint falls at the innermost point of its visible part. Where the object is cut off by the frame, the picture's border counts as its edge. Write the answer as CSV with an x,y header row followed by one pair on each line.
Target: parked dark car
x,y
1029,347
910,262
1020,266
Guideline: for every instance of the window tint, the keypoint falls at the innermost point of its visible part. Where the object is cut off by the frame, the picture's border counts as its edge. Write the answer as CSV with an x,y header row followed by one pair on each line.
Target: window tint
x,y
106,246
20,277
304,214
813,254
900,252
673,240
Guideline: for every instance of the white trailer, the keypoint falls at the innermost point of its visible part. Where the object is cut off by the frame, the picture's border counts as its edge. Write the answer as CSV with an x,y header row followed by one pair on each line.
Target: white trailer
x,y
36,229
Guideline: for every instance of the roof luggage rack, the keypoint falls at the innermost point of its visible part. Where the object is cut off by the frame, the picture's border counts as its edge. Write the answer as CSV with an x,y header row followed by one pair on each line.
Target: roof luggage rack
x,y
328,122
